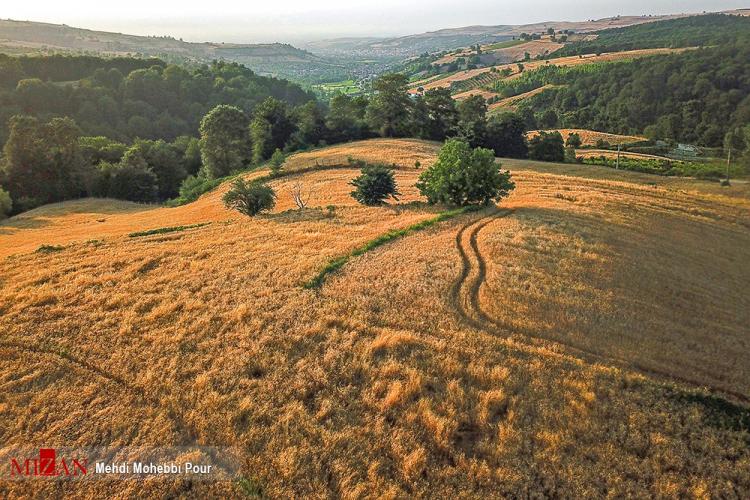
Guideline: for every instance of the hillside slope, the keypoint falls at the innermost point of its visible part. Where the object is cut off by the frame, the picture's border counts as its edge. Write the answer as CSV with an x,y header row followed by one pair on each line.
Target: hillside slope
x,y
588,336
24,37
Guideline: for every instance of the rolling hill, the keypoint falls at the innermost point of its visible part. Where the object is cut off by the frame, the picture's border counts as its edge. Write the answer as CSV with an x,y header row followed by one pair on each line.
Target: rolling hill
x,y
454,38
24,37
587,336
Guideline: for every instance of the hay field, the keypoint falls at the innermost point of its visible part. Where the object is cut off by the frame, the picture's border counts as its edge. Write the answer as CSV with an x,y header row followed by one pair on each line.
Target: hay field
x,y
510,103
591,137
596,153
508,54
553,346
531,65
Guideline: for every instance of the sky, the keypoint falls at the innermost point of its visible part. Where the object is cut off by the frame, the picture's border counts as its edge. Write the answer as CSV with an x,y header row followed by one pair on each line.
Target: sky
x,y
297,21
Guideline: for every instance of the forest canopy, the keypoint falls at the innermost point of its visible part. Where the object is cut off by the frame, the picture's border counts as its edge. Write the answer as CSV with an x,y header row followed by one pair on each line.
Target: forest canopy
x,y
693,97
694,31
126,98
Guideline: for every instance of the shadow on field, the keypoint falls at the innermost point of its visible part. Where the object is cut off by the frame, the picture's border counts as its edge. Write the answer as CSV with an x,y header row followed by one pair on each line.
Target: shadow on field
x,y
660,290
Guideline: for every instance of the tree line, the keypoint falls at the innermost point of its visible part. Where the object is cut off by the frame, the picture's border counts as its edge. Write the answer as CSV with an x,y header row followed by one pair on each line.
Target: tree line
x,y
692,97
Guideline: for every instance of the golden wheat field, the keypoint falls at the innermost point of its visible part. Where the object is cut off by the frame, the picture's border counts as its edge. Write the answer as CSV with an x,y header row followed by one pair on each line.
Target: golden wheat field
x,y
588,337
591,137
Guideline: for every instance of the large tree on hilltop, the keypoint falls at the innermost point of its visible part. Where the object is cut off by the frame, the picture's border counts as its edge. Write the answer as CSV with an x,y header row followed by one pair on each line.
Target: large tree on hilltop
x,y
225,145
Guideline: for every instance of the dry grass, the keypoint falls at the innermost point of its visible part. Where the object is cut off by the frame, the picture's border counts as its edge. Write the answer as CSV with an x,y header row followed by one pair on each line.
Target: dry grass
x,y
81,220
510,103
508,54
375,385
591,137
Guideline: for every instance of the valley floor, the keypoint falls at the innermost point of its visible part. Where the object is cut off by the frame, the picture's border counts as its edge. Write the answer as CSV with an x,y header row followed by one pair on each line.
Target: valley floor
x,y
588,337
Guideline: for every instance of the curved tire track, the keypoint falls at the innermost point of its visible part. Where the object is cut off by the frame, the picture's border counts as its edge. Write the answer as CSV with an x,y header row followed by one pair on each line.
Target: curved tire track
x,y
470,312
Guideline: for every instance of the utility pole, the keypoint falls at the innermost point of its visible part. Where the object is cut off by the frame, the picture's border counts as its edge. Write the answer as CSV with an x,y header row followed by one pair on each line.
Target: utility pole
x,y
617,165
729,159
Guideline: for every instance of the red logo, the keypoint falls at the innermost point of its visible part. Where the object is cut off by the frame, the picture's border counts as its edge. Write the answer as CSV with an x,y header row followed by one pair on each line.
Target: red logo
x,y
48,465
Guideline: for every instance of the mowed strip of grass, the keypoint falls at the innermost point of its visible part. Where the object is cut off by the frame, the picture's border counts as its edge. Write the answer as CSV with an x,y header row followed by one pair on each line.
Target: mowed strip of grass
x,y
162,230
337,263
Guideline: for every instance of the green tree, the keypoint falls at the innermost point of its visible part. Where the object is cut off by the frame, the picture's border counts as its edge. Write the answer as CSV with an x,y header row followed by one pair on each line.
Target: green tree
x,y
25,168
249,198
506,135
547,146
346,119
262,139
133,180
189,150
43,162
442,114
419,119
548,119
388,110
734,141
374,185
6,204
164,162
573,141
311,127
464,176
95,150
472,120
270,128
225,146
11,72
277,162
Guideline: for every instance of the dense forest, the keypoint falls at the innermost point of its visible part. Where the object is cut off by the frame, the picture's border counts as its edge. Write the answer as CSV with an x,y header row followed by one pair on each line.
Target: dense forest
x,y
65,67
693,97
124,99
695,31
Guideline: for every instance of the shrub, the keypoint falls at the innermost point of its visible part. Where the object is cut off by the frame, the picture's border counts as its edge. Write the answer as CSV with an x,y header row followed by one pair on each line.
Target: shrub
x,y
547,146
49,248
277,161
374,185
570,154
6,204
249,198
132,179
194,186
574,141
464,176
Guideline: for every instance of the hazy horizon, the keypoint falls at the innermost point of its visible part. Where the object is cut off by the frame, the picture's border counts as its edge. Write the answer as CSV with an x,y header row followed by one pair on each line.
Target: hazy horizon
x,y
295,21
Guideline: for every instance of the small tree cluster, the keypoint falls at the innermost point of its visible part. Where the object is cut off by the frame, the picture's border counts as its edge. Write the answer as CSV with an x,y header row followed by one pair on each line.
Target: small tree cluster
x,y
547,146
6,204
249,198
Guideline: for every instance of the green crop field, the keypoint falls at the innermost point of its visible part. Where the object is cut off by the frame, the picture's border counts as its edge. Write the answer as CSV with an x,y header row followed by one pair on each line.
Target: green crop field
x,y
504,45
343,87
